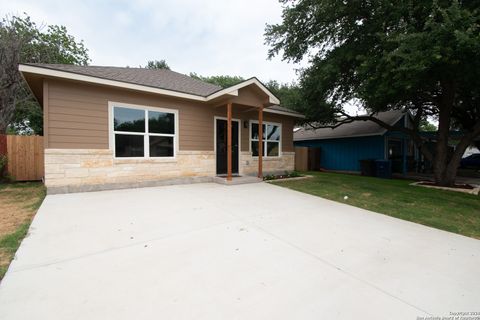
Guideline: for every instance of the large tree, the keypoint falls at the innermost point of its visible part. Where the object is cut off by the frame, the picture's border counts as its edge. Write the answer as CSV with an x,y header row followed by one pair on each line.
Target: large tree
x,y
422,56
222,81
22,41
157,64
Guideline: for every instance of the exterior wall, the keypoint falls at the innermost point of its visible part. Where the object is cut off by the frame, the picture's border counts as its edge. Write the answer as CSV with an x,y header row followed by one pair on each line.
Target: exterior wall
x,y
77,116
78,156
274,165
345,154
69,170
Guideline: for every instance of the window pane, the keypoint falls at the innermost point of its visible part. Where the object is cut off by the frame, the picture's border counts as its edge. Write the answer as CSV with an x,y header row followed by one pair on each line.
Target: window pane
x,y
255,131
255,148
272,149
161,122
161,146
130,120
128,145
273,132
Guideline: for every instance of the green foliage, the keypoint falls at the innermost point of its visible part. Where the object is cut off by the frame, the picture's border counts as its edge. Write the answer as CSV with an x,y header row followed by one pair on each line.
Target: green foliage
x,y
269,177
425,125
295,174
39,44
422,56
12,241
3,165
384,54
292,174
289,94
157,64
222,81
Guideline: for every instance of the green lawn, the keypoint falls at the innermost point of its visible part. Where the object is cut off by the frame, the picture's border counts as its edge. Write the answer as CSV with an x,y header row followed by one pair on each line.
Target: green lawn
x,y
18,204
447,210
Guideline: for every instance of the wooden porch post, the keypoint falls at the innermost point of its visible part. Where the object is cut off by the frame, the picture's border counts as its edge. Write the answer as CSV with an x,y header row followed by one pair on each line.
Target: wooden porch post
x,y
260,142
229,141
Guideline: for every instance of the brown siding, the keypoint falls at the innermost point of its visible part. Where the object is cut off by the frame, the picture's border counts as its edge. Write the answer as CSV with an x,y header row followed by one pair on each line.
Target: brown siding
x,y
76,116
250,96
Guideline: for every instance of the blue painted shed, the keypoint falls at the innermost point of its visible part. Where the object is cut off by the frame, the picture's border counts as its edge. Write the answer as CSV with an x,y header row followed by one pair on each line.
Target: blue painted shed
x,y
342,148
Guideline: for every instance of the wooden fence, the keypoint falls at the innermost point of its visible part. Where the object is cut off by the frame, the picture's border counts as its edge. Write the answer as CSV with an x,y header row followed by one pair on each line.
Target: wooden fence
x,y
301,158
25,157
307,159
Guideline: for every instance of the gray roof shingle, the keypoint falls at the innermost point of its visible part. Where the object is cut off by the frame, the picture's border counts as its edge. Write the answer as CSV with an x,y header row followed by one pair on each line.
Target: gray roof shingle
x,y
156,78
353,129
284,109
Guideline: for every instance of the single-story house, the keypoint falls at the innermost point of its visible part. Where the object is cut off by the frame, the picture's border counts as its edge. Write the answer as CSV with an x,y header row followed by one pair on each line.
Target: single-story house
x,y
111,127
342,148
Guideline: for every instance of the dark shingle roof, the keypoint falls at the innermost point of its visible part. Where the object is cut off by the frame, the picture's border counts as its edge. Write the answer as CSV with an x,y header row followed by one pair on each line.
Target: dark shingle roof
x,y
354,129
284,109
156,78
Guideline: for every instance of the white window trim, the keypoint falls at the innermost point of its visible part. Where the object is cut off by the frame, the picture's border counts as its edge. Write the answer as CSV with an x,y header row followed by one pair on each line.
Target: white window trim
x,y
112,132
264,140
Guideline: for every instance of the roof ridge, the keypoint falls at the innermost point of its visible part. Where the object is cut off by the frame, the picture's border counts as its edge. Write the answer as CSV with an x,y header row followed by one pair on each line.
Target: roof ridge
x,y
158,78
217,87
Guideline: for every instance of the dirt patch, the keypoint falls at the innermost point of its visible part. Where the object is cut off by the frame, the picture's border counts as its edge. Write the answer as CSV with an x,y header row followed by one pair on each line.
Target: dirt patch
x,y
17,206
465,188
456,186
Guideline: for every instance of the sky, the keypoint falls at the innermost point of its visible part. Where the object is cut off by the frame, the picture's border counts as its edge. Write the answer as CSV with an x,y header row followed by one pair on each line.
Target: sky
x,y
209,37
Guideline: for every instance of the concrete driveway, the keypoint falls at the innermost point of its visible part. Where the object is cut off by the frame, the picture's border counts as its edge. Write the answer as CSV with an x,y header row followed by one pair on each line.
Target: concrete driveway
x,y
209,251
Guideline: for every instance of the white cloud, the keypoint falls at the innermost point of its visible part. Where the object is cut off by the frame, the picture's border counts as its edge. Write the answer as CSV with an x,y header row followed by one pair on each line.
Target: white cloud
x,y
209,37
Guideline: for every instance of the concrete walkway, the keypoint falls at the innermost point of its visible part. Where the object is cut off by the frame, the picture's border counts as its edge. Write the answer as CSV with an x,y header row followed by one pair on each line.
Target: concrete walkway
x,y
208,251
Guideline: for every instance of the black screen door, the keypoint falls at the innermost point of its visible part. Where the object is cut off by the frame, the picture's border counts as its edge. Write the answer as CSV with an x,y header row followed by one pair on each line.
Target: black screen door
x,y
221,141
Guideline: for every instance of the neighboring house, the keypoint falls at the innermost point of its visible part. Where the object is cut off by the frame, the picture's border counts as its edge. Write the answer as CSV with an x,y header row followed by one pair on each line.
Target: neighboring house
x,y
342,148
110,127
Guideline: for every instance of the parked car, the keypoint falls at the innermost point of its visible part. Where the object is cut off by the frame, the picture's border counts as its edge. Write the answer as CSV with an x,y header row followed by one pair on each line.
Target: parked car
x,y
472,161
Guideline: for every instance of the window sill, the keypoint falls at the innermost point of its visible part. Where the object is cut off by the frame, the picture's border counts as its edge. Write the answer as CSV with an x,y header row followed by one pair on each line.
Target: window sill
x,y
144,160
264,158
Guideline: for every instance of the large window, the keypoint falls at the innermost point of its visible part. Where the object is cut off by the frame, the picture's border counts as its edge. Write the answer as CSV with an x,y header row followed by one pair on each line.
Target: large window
x,y
271,139
143,132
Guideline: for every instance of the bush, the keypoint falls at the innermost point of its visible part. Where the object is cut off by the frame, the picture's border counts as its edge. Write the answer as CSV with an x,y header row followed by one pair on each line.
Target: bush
x,y
3,164
287,174
294,174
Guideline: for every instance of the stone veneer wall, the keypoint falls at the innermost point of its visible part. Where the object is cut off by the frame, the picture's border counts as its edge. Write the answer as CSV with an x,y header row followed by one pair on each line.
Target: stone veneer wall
x,y
77,170
276,165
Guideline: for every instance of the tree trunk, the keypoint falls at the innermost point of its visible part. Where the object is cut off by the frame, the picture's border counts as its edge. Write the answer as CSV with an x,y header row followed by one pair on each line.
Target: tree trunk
x,y
441,148
452,167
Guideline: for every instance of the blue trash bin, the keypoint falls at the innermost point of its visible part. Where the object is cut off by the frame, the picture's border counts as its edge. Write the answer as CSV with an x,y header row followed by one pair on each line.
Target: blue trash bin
x,y
383,169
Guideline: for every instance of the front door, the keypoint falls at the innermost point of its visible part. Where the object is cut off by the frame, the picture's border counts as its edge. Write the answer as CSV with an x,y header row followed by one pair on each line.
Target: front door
x,y
221,143
395,154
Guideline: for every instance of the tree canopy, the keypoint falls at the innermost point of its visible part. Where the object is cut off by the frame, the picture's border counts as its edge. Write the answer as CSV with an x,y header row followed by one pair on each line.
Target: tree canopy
x,y
23,41
422,56
157,64
287,93
223,81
